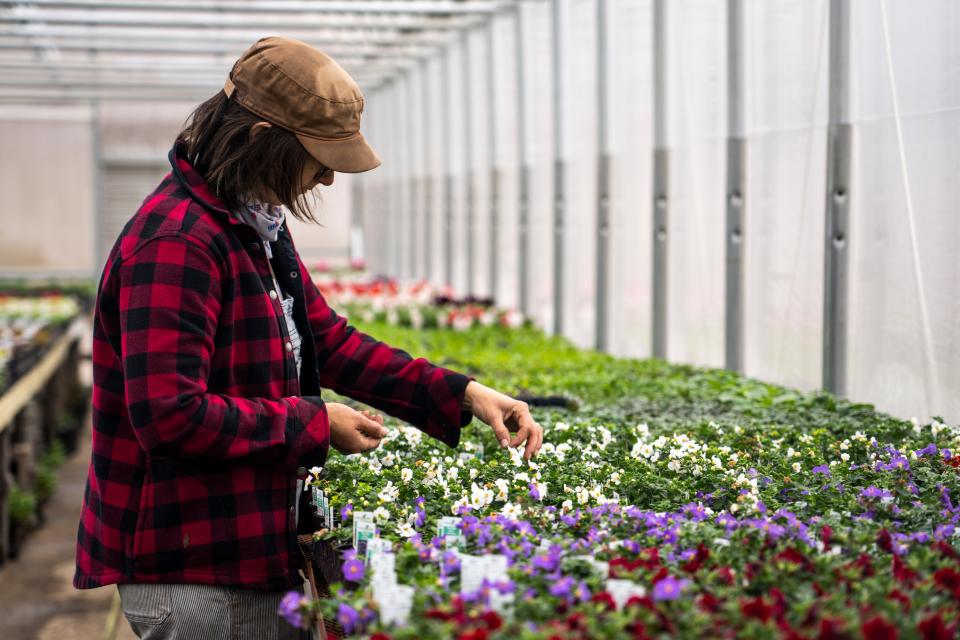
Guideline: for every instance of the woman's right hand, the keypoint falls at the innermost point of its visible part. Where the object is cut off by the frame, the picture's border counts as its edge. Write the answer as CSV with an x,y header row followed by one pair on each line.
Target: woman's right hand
x,y
353,431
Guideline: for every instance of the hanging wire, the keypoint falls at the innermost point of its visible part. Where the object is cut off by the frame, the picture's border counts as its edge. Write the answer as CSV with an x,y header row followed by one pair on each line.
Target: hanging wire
x,y
930,378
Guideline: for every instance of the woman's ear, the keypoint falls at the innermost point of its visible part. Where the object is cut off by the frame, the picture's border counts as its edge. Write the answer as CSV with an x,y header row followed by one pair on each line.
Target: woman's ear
x,y
258,127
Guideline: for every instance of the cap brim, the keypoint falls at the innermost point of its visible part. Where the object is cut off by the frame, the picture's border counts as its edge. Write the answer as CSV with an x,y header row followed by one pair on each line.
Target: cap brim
x,y
350,155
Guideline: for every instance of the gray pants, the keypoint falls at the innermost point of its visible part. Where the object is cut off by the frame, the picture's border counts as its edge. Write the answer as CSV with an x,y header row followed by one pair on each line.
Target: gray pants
x,y
187,611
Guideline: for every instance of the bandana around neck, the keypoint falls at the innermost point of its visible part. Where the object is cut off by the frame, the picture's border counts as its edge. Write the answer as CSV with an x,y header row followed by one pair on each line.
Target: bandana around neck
x,y
264,217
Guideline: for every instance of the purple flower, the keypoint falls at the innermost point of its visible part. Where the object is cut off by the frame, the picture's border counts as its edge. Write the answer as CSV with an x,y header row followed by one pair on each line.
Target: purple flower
x,y
451,562
823,468
534,491
875,492
289,608
346,512
353,570
582,591
669,588
562,588
929,450
347,617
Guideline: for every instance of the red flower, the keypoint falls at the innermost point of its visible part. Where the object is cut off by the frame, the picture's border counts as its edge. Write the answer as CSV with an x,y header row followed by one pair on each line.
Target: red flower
x,y
709,603
637,601
756,608
947,578
794,556
884,540
380,636
902,572
877,628
826,535
605,599
831,630
899,596
726,575
933,628
473,634
492,620
703,554
575,621
864,563
942,546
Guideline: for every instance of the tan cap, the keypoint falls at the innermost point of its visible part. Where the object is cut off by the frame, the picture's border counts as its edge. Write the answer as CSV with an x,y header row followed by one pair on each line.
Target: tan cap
x,y
297,87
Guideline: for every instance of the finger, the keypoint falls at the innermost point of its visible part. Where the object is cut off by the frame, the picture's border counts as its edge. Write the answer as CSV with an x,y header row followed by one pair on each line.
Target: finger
x,y
499,430
370,444
523,433
539,433
372,428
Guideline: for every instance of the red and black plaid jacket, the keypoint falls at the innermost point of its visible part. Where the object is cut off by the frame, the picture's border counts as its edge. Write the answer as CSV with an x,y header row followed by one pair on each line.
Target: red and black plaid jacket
x,y
200,425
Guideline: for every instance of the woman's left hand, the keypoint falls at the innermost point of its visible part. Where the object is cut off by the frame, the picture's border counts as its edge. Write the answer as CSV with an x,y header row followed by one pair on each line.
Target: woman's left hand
x,y
504,415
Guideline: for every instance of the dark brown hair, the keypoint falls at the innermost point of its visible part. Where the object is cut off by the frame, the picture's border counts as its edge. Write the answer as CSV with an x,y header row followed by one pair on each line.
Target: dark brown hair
x,y
218,145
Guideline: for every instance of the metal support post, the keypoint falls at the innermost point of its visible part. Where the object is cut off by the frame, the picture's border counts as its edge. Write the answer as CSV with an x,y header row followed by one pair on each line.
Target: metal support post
x,y
427,138
469,214
413,230
558,170
836,258
494,173
661,179
736,188
523,231
448,170
603,182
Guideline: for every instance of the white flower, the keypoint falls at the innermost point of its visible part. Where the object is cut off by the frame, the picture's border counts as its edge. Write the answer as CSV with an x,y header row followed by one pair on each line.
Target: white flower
x,y
845,456
521,477
316,470
796,467
512,511
381,515
566,506
503,489
583,496
673,465
406,475
474,473
389,493
406,530
541,488
453,473
389,459
480,496
516,456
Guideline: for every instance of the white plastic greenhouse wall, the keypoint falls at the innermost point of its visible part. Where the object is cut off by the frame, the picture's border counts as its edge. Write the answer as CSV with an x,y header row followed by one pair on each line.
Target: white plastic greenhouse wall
x,y
669,178
902,338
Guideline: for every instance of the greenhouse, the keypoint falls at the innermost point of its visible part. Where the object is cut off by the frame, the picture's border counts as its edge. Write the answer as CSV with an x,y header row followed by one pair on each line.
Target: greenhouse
x,y
479,319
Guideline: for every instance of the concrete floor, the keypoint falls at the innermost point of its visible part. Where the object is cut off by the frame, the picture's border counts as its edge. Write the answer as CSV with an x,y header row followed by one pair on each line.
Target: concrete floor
x,y
37,599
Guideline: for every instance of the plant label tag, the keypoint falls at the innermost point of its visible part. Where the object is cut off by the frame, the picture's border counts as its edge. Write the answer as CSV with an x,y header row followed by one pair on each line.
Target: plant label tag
x,y
383,567
449,529
377,546
363,533
395,604
471,572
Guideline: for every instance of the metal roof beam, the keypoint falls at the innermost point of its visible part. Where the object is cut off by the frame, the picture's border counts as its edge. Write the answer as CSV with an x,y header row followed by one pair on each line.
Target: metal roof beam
x,y
215,19
429,7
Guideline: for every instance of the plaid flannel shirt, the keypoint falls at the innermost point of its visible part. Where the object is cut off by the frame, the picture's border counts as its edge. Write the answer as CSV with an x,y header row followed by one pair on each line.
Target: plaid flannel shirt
x,y
201,427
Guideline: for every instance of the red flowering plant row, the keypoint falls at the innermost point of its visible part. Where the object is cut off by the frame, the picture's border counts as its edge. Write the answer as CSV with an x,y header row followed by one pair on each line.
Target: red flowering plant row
x,y
416,304
675,502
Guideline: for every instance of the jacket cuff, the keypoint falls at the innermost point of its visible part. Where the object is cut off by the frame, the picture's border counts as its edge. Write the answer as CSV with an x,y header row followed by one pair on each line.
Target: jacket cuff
x,y
310,433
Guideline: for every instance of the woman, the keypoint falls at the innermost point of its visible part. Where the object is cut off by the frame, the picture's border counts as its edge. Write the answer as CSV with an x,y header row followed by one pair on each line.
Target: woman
x,y
211,345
